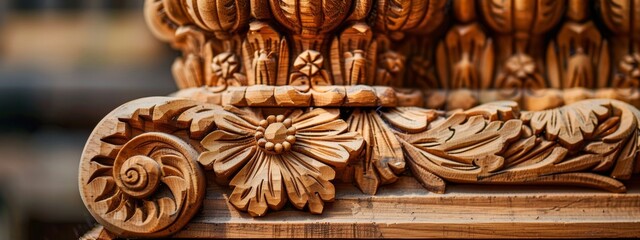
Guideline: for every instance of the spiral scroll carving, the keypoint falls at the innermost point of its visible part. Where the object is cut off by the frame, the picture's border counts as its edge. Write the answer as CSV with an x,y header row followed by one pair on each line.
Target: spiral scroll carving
x,y
137,178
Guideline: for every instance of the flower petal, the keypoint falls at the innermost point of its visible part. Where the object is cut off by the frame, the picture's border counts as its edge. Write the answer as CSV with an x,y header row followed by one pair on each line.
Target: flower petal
x,y
307,181
529,68
315,117
236,120
258,186
299,62
227,152
306,69
296,113
335,150
330,128
313,69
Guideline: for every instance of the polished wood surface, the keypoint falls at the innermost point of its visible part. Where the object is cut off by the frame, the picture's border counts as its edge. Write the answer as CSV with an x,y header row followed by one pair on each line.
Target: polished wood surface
x,y
406,210
287,104
139,176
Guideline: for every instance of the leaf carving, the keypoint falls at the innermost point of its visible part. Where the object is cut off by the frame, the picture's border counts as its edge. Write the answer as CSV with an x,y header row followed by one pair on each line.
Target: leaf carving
x,y
393,14
410,119
462,147
310,17
547,15
432,17
569,145
382,159
567,124
616,15
466,139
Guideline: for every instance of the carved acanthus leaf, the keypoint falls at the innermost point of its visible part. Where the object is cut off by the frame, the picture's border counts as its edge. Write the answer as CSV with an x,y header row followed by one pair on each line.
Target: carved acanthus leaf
x,y
410,119
568,145
382,159
466,143
568,125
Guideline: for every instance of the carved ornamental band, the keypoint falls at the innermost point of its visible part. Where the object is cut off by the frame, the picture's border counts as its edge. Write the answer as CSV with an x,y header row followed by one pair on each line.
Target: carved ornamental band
x,y
279,100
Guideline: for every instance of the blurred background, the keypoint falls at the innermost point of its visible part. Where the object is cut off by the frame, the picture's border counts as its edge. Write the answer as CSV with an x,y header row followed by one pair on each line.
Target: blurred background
x,y
64,64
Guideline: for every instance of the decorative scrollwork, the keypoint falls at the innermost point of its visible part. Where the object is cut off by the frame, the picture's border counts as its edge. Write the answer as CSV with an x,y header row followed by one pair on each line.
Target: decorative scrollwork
x,y
138,176
307,90
496,144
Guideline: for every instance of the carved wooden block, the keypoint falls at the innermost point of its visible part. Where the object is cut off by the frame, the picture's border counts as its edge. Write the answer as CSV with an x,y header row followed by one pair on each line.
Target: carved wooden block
x,y
286,105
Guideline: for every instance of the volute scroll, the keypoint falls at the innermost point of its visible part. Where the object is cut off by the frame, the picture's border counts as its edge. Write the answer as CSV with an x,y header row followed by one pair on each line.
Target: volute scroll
x,y
139,175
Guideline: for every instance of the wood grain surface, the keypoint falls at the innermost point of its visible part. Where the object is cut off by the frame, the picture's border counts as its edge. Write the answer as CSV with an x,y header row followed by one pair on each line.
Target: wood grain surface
x,y
407,210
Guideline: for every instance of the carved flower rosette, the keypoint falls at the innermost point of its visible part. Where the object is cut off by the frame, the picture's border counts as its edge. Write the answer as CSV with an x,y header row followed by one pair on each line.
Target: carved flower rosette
x,y
269,159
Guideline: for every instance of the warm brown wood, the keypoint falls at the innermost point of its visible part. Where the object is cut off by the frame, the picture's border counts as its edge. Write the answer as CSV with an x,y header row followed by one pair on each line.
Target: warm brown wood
x,y
138,173
97,233
290,96
579,55
466,55
265,153
487,45
273,159
382,159
495,144
281,100
406,210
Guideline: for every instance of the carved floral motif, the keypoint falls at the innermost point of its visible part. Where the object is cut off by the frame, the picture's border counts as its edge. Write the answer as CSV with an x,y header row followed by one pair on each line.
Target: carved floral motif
x,y
289,156
321,86
309,63
139,173
226,67
310,73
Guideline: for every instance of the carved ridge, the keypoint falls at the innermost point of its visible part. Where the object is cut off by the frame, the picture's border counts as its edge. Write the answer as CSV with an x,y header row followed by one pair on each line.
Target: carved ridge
x,y
290,96
139,175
